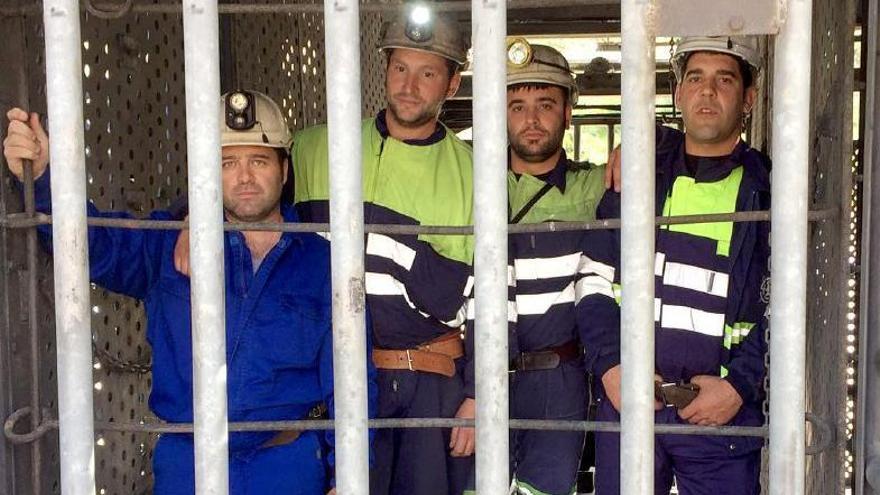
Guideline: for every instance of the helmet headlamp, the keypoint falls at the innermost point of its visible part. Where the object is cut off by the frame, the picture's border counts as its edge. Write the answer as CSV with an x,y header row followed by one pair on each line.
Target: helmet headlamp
x,y
419,24
240,110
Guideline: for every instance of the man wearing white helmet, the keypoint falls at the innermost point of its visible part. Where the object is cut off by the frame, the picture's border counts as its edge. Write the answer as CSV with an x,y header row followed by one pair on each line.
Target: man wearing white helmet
x,y
416,171
548,379
712,283
279,341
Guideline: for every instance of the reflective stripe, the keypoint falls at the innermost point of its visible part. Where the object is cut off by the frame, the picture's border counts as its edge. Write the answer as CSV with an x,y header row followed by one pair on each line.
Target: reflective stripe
x,y
469,285
383,284
538,304
658,307
511,311
696,278
735,334
588,265
659,260
386,247
694,320
591,285
540,268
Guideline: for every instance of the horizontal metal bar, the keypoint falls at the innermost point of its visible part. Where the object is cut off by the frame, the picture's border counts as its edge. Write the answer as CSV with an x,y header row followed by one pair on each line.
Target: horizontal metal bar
x,y
20,221
121,8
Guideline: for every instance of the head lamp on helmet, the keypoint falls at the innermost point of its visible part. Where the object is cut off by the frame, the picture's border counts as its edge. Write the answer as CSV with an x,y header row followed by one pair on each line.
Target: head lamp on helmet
x,y
744,48
539,64
420,28
250,118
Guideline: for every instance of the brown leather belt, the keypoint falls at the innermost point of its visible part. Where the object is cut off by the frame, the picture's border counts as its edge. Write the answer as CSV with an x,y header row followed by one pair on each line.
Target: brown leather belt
x,y
437,356
282,438
546,359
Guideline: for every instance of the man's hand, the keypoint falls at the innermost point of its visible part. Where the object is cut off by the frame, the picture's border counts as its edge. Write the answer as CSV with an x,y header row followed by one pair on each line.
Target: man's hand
x,y
611,382
462,440
717,403
612,170
25,140
181,252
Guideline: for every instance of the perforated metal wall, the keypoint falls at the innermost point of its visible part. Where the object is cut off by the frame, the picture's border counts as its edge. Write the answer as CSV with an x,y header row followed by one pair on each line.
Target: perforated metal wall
x,y
134,109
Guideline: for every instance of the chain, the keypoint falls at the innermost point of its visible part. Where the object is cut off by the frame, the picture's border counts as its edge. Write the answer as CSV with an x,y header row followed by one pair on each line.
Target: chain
x,y
113,363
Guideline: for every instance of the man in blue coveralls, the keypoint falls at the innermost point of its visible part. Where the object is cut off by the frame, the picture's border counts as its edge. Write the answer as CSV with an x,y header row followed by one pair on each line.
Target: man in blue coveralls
x,y
279,340
711,284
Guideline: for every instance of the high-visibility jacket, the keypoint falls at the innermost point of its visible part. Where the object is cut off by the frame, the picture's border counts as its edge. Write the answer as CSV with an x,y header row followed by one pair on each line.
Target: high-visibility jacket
x,y
711,280
416,285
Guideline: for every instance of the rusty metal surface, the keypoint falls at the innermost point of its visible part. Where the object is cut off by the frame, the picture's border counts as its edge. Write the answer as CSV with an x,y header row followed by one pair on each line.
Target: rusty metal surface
x,y
831,186
702,18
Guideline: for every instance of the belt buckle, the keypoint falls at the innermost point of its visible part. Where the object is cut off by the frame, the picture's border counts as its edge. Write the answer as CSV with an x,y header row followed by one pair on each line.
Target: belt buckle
x,y
409,360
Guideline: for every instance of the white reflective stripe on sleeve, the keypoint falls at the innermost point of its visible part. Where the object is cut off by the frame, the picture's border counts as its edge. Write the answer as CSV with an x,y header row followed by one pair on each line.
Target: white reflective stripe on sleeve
x,y
541,268
468,286
590,285
383,284
659,260
511,311
696,278
386,247
325,235
538,304
511,276
694,320
658,304
588,265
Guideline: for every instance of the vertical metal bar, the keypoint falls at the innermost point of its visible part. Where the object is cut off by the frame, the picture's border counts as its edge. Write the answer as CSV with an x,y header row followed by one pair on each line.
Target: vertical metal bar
x,y
202,66
341,24
610,138
33,328
867,475
788,258
576,132
489,20
637,248
33,276
72,317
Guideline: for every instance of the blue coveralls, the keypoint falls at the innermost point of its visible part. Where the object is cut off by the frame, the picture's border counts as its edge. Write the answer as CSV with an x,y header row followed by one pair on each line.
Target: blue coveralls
x,y
727,337
416,290
278,348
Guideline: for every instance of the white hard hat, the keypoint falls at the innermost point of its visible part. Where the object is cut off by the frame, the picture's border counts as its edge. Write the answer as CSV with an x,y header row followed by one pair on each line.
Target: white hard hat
x,y
250,118
420,28
539,64
742,47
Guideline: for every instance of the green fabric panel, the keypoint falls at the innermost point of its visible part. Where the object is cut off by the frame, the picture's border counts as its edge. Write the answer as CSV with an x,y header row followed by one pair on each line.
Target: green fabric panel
x,y
431,184
699,198
583,190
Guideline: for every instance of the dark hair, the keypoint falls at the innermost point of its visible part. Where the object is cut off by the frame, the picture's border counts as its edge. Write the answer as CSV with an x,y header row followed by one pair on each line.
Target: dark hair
x,y
535,85
745,70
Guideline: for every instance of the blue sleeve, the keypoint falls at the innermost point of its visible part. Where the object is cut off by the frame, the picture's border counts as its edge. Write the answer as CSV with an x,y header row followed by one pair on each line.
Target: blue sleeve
x,y
126,261
746,368
437,285
597,311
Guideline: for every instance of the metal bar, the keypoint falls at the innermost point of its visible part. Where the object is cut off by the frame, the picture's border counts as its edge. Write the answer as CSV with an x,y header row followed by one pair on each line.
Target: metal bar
x,y
342,23
72,316
489,29
637,248
16,221
788,258
33,326
202,52
118,9
867,465
610,138
576,132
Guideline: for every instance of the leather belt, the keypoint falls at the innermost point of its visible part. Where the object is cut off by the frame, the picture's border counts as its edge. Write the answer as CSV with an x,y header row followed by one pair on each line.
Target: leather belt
x,y
546,359
437,356
286,437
